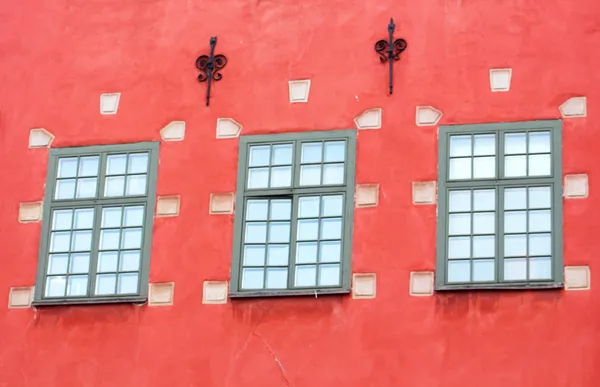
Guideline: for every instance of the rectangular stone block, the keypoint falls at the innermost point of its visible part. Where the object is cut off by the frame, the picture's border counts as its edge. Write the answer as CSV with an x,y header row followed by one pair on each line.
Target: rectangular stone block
x,y
161,294
364,285
367,195
30,212
424,192
421,283
576,186
167,206
214,292
577,278
20,297
222,203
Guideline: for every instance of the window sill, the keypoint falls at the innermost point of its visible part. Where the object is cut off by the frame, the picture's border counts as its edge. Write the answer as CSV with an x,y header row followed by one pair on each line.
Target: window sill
x,y
288,293
503,286
89,301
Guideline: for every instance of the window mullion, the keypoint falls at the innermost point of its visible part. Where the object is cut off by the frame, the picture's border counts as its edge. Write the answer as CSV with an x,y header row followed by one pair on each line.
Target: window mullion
x,y
102,175
500,234
95,248
293,235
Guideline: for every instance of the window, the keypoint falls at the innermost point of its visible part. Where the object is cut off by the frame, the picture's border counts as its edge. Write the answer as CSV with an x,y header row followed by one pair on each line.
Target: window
x,y
294,214
97,224
500,206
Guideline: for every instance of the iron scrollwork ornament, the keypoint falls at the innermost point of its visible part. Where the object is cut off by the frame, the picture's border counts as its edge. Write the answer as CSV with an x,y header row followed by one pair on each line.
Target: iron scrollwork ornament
x,y
209,66
390,50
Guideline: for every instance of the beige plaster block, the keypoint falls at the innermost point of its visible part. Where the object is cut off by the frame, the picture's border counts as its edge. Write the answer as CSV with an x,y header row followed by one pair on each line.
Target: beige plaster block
x,y
174,131
574,107
500,79
421,283
20,297
424,192
40,138
299,90
364,285
427,116
161,294
577,278
167,206
221,203
576,186
369,119
109,103
228,128
30,212
367,195
215,292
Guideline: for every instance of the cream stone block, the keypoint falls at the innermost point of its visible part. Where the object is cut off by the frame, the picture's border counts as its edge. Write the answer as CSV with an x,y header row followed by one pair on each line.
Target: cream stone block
x,y
221,203
427,116
367,195
421,283
20,297
424,192
574,107
299,90
167,206
369,119
364,285
500,79
30,212
215,292
109,103
40,138
576,186
161,294
577,278
174,131
228,128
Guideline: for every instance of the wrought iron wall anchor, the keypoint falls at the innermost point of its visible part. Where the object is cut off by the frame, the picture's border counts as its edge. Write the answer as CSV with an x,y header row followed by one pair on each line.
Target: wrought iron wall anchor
x,y
390,50
209,66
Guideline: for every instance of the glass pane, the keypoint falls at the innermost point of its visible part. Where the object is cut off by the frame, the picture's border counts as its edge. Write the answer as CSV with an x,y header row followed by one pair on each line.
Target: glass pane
x,y
460,201
282,154
484,223
84,218
311,152
483,270
539,165
306,275
134,216
88,166
539,142
539,197
540,244
61,219
86,188
276,278
67,167
331,228
460,146
308,229
484,200
515,166
115,164
515,245
306,252
459,224
257,209
281,177
258,178
277,255
254,255
515,143
310,175
77,285
515,269
329,275
252,278
279,232
107,261
483,246
136,185
330,251
65,189
60,241
460,169
515,221
105,284
114,186
132,238
332,205
309,207
128,283
256,232
335,151
138,163
55,286
281,209
540,221
333,174
540,268
82,241
459,247
485,144
484,167
57,263
515,199
260,155
111,217
130,261
459,271
109,239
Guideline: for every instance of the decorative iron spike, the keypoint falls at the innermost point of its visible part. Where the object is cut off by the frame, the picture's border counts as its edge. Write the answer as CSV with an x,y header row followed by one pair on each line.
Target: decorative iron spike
x,y
390,50
209,66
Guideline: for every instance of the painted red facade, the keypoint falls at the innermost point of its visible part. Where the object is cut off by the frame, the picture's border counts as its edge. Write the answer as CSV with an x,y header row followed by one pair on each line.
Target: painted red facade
x,y
57,57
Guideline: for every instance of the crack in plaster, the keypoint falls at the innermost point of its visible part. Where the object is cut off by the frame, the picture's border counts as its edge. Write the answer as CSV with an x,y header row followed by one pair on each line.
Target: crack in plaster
x,y
268,347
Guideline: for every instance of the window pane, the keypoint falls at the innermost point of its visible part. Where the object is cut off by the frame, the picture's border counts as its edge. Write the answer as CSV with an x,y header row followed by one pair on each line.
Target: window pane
x,y
107,261
483,246
282,154
484,199
459,224
105,284
332,205
82,241
483,270
256,232
80,263
57,263
335,151
257,210
277,255
485,144
136,185
306,275
515,199
459,271
539,142
86,188
460,169
539,165
111,217
60,241
88,166
55,286
515,166
540,221
329,275
459,247
310,175
309,207
540,268
114,186
77,285
460,201
115,164
515,221
460,146
515,269
515,245
331,228
306,252
515,143
281,209
61,219
539,197
128,283
254,255
484,223
311,152
258,178
260,155
330,251
67,167
308,229
134,216
333,174
130,261
84,218
138,163
252,278
276,278
279,232
132,238
109,239
484,167
65,189
281,177
540,244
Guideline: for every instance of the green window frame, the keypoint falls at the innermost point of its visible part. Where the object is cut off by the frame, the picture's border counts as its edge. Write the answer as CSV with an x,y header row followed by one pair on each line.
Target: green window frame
x,y
97,224
500,206
294,214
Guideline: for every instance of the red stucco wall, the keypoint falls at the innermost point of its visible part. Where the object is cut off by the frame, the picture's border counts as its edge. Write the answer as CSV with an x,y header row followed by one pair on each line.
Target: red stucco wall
x,y
57,56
